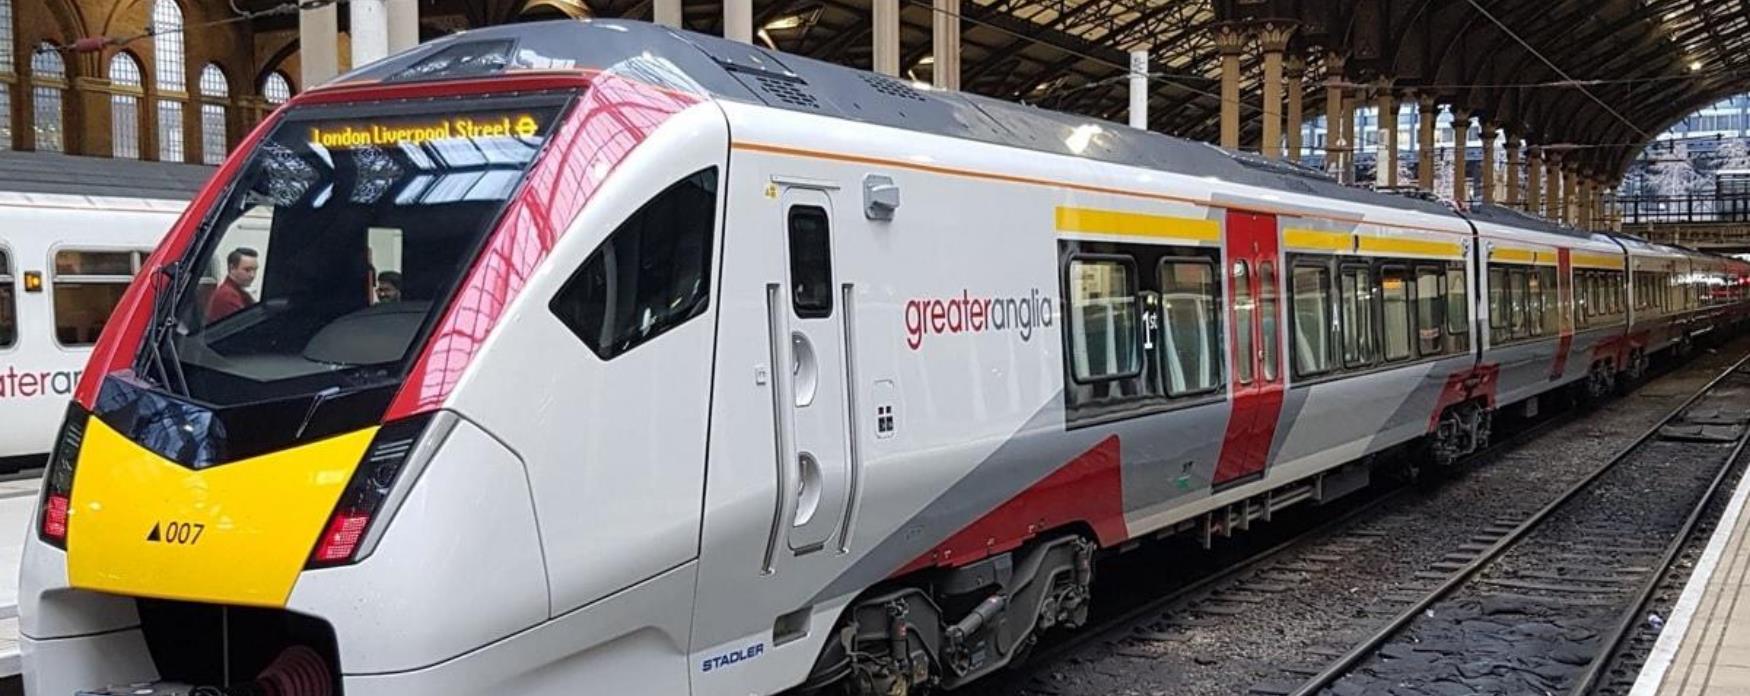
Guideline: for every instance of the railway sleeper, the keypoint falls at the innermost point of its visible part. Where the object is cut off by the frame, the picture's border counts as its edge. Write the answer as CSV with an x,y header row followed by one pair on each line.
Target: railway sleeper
x,y
960,624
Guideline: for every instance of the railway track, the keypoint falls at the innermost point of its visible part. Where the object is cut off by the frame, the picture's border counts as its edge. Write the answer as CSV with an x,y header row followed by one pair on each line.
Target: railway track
x,y
1558,601
1233,584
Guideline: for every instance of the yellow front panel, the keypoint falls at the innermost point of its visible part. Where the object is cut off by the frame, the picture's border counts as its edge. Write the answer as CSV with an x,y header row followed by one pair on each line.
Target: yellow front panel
x,y
1117,222
237,533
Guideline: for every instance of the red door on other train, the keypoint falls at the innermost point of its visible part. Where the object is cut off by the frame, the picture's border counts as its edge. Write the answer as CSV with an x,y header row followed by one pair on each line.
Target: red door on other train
x,y
1254,346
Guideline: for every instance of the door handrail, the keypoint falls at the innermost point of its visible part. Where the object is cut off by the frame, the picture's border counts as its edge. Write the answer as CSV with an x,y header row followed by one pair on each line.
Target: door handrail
x,y
778,333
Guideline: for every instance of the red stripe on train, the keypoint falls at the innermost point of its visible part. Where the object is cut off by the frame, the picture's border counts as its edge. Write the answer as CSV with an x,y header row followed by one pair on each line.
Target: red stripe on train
x,y
1089,489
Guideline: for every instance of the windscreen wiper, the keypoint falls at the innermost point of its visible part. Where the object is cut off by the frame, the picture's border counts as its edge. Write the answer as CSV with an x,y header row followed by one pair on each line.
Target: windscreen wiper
x,y
167,291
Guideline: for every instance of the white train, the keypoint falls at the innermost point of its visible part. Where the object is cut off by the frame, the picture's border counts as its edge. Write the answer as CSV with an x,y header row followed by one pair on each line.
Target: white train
x,y
65,261
710,370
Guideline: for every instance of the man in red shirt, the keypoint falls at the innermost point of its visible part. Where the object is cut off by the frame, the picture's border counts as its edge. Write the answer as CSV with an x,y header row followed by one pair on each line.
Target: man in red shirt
x,y
232,295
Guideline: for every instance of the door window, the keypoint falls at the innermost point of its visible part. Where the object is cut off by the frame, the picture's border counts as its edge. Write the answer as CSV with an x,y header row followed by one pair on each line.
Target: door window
x,y
650,276
88,285
810,262
1267,318
1244,353
1104,343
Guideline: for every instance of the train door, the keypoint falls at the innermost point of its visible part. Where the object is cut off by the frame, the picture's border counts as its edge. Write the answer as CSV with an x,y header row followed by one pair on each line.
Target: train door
x,y
1254,347
809,320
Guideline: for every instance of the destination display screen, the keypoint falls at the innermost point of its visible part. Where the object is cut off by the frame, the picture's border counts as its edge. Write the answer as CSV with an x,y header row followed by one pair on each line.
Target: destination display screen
x,y
394,132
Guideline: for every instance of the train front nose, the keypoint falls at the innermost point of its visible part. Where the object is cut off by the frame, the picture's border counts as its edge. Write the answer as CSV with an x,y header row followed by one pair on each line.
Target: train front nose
x,y
388,549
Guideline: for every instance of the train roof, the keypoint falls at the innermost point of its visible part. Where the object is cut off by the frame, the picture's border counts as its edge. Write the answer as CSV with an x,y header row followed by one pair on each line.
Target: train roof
x,y
716,68
24,175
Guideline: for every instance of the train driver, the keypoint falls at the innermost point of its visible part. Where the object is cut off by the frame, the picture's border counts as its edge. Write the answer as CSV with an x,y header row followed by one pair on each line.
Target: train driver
x,y
232,295
388,287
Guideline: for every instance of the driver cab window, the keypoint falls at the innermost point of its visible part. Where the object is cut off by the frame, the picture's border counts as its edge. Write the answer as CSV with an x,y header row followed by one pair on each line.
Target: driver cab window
x,y
651,275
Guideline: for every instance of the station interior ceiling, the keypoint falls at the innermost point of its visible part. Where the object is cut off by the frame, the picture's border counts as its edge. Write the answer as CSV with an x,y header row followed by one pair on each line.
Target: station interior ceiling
x,y
1598,77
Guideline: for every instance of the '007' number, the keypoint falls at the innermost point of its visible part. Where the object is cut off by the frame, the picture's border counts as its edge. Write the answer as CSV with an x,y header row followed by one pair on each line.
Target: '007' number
x,y
174,532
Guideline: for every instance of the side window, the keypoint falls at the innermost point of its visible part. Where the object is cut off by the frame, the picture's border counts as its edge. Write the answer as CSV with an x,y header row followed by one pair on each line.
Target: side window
x,y
1191,343
1533,301
810,262
8,303
1358,316
1582,298
1457,310
1103,339
1244,352
1518,298
651,275
1394,288
1430,300
1552,301
88,284
1498,313
1313,354
1267,313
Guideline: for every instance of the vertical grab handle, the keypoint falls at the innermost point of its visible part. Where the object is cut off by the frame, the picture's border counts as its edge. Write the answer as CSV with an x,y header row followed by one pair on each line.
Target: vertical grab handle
x,y
778,335
853,446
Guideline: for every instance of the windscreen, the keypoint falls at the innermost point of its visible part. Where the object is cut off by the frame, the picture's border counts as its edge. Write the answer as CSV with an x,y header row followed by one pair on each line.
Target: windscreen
x,y
338,245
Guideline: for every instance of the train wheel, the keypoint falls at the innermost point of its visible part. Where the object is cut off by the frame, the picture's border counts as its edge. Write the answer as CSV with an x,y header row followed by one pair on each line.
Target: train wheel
x,y
1637,369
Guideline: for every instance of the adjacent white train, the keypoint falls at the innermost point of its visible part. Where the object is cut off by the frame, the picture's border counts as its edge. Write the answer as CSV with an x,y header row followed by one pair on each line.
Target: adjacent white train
x,y
65,261
716,371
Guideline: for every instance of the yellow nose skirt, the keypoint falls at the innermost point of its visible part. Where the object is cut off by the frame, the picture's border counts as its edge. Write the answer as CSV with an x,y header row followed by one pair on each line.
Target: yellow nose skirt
x,y
239,533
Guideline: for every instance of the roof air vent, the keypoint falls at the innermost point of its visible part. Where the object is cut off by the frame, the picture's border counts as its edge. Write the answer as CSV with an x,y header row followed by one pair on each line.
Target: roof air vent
x,y
790,92
891,87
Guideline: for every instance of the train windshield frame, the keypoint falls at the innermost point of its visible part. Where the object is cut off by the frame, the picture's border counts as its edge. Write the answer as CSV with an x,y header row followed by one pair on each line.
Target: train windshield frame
x,y
339,245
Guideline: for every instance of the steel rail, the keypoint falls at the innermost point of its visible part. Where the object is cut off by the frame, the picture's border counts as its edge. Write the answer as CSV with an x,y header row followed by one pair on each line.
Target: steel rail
x,y
1368,646
1127,619
1631,617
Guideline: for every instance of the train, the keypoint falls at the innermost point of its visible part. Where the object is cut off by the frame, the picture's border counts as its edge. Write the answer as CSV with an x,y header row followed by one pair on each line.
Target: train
x,y
713,370
73,233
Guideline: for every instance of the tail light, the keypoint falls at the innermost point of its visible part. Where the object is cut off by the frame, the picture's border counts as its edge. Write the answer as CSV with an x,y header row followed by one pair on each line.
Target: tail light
x,y
372,493
57,500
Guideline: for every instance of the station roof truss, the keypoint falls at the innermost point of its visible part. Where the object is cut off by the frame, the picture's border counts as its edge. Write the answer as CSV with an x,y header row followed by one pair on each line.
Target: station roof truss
x,y
1595,79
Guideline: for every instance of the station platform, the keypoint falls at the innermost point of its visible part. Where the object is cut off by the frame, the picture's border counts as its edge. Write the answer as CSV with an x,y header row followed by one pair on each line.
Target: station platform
x,y
1705,647
17,499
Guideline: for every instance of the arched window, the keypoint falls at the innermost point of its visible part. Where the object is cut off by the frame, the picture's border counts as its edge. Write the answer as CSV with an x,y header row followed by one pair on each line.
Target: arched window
x,y
215,89
7,70
124,106
167,52
276,89
48,78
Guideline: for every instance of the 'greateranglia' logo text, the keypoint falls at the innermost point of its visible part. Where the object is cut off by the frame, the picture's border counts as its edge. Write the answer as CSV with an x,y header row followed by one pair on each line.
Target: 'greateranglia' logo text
x,y
968,314
15,384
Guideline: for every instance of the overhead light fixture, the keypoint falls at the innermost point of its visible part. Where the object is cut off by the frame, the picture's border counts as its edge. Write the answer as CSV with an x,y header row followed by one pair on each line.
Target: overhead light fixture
x,y
1083,136
783,23
1695,66
927,60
